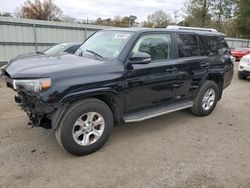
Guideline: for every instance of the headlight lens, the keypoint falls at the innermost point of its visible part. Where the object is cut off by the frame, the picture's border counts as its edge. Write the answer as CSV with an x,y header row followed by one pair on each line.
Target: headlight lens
x,y
32,85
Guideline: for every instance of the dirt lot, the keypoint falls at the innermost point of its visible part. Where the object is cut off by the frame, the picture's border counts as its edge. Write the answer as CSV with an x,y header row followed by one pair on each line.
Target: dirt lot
x,y
175,150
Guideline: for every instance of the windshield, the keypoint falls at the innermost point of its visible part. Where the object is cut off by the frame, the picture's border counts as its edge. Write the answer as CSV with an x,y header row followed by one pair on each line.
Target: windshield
x,y
106,44
55,50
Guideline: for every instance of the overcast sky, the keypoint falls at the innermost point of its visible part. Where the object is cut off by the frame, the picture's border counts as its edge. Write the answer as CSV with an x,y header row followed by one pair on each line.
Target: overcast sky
x,y
93,9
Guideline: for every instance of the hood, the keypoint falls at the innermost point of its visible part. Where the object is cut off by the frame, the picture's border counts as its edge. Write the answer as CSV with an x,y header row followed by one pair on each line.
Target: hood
x,y
43,66
23,56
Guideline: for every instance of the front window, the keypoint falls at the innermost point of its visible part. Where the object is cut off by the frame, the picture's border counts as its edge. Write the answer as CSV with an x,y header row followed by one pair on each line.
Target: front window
x,y
106,44
157,45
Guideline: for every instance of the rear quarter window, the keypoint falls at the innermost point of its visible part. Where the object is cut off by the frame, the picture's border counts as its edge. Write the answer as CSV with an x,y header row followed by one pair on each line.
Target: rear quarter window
x,y
215,44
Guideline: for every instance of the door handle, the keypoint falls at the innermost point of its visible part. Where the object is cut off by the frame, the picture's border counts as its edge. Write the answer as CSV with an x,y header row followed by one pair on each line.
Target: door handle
x,y
171,70
205,64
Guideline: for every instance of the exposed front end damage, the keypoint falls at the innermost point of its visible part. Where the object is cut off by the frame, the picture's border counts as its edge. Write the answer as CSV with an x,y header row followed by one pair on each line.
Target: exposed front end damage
x,y
40,113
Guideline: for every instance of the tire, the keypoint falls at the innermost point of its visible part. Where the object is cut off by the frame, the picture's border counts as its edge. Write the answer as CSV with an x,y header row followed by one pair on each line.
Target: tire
x,y
77,134
200,108
241,77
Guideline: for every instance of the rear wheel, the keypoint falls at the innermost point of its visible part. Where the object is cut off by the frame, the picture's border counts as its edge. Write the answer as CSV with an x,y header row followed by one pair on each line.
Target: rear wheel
x,y
85,127
206,99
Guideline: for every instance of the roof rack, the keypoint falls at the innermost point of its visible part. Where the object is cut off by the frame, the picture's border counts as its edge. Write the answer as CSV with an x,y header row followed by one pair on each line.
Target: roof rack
x,y
191,28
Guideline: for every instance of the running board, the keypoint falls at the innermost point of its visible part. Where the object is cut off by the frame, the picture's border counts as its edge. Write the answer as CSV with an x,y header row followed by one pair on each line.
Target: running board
x,y
156,111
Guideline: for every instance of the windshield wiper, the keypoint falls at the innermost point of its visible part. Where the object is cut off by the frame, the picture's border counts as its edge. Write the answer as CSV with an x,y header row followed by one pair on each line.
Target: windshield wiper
x,y
96,54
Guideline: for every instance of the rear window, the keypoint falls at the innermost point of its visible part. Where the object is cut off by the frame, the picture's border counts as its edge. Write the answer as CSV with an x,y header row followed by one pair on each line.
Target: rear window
x,y
189,45
215,44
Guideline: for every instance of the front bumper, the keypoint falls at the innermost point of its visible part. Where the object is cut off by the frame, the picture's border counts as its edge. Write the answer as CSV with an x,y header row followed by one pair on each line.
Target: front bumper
x,y
39,113
244,73
244,67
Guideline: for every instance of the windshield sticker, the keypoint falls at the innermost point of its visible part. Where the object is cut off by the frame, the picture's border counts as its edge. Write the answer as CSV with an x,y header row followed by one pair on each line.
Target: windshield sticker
x,y
122,36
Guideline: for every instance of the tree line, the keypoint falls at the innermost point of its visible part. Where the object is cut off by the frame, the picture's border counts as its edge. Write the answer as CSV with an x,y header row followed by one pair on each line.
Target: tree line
x,y
231,17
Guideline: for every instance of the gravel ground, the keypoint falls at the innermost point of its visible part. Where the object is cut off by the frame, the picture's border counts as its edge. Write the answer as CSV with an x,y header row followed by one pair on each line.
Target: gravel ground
x,y
175,150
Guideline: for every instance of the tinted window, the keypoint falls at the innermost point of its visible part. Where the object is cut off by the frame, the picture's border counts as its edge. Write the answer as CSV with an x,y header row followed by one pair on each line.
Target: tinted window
x,y
157,45
72,49
215,44
189,45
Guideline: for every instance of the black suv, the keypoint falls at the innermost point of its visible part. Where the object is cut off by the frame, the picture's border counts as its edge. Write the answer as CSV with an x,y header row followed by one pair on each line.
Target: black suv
x,y
121,75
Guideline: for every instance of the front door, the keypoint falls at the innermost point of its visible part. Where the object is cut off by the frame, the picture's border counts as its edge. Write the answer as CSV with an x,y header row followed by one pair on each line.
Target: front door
x,y
153,83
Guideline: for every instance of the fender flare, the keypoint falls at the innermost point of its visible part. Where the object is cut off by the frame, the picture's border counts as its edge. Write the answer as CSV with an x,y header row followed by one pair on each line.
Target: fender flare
x,y
65,102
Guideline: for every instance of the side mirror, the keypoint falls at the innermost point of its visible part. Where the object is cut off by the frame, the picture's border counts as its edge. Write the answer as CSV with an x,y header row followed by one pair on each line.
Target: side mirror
x,y
140,58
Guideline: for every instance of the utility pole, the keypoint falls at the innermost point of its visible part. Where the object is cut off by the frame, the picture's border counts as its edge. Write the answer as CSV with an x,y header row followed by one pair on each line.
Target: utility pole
x,y
176,16
131,20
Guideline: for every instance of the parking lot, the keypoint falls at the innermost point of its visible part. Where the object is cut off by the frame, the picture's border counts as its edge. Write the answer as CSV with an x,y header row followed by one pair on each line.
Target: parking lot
x,y
175,150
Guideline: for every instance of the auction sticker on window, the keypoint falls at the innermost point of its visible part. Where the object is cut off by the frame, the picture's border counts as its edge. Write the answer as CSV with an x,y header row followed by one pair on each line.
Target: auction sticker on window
x,y
122,36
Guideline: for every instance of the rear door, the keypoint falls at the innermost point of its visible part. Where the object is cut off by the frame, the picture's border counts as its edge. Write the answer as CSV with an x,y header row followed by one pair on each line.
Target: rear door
x,y
219,53
193,64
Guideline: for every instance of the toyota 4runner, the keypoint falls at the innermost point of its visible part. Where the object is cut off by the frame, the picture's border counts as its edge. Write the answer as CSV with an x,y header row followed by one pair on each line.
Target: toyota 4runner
x,y
121,75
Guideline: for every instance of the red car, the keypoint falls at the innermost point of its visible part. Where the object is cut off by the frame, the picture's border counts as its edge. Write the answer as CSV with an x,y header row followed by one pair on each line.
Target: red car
x,y
238,53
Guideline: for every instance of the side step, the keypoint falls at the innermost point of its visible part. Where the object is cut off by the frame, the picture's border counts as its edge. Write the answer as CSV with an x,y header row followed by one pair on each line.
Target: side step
x,y
156,111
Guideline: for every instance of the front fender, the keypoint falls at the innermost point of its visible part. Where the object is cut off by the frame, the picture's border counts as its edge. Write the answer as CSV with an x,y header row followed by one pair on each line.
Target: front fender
x,y
87,93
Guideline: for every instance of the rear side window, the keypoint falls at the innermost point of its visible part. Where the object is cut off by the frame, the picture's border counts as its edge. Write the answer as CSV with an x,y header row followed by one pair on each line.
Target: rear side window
x,y
189,45
215,44
157,45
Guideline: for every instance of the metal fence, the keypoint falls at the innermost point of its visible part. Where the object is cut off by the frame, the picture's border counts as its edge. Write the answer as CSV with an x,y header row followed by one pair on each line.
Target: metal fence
x,y
18,36
235,43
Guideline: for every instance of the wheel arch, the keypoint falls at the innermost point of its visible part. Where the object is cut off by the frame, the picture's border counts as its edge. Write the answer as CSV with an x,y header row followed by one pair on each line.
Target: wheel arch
x,y
219,80
107,96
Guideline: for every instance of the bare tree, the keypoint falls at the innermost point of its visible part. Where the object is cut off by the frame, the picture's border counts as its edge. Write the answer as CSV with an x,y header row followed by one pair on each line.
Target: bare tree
x,y
198,13
46,10
157,19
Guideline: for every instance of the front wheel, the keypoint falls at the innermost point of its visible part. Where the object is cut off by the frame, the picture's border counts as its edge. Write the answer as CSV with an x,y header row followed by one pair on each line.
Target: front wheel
x,y
206,99
85,127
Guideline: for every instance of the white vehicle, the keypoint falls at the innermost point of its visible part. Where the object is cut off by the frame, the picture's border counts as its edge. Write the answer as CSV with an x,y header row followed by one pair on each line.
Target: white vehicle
x,y
244,67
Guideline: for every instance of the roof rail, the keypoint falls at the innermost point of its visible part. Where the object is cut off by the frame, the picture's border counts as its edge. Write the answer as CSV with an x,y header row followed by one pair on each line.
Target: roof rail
x,y
191,28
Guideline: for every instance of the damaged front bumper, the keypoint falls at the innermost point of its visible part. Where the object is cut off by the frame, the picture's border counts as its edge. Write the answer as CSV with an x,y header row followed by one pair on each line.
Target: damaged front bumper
x,y
40,114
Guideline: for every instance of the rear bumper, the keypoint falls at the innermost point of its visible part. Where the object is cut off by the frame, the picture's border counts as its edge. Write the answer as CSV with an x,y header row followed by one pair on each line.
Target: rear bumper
x,y
228,75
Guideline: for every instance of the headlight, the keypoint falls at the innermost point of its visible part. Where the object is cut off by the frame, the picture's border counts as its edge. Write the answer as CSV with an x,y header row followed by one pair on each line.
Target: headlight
x,y
32,85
